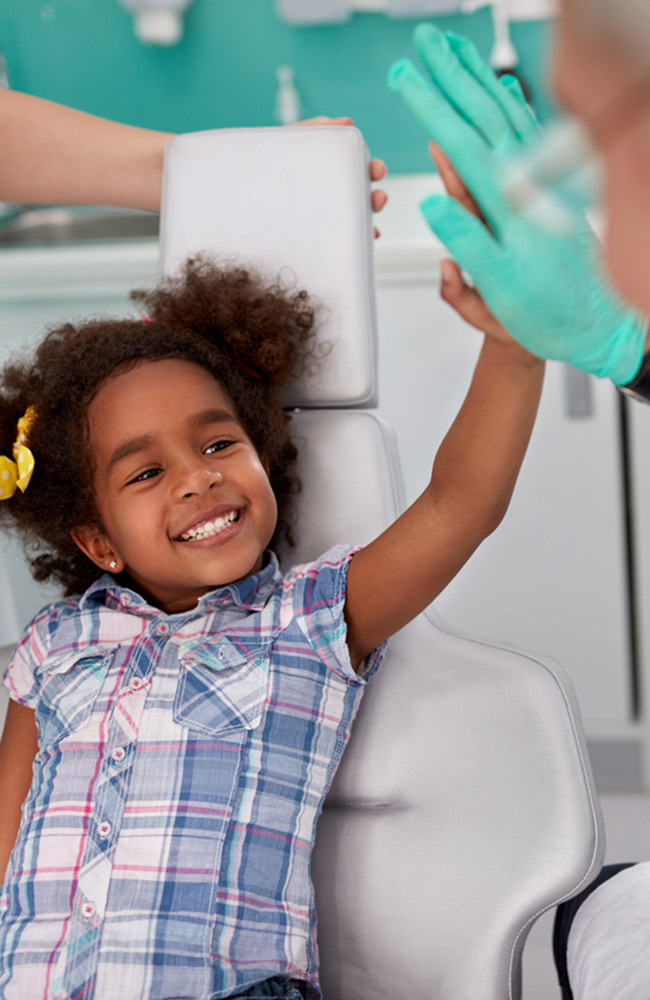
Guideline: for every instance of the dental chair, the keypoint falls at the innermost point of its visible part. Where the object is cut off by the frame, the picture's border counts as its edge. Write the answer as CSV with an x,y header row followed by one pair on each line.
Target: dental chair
x,y
464,805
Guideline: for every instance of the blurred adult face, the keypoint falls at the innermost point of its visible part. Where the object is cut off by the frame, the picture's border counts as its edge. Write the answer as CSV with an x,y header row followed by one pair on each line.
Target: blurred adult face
x,y
601,80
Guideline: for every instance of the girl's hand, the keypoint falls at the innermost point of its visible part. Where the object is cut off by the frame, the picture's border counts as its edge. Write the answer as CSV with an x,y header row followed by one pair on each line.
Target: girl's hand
x,y
377,167
464,298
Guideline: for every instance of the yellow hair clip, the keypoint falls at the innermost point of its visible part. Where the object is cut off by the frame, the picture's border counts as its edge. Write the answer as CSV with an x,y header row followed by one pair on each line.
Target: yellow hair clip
x,y
17,473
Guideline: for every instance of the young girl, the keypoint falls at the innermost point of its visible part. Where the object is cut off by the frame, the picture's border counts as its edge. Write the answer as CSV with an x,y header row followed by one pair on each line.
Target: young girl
x,y
174,729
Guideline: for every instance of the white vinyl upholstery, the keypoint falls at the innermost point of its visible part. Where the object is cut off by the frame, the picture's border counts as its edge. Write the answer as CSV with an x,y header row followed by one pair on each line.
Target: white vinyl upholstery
x,y
463,809
464,805
262,220
350,484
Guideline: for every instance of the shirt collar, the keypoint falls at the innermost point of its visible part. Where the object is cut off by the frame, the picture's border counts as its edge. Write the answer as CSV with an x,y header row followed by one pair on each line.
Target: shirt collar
x,y
250,594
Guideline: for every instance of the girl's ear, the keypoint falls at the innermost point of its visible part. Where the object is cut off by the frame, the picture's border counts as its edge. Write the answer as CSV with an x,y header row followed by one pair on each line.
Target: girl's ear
x,y
93,543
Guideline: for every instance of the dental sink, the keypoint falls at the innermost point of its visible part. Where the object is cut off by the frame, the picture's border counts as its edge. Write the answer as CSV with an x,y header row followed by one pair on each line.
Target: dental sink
x,y
45,226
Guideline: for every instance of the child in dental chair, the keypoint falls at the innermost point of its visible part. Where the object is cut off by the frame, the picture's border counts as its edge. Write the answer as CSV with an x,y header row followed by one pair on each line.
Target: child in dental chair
x,y
176,720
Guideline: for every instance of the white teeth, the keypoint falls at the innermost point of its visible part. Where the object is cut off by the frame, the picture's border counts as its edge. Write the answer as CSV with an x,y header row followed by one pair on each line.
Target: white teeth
x,y
210,528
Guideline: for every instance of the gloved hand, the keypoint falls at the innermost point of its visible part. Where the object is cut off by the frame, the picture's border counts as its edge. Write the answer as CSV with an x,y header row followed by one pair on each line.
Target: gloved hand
x,y
548,290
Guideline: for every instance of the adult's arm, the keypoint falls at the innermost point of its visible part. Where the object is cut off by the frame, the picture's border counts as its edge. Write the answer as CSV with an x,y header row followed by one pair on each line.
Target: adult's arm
x,y
52,154
55,155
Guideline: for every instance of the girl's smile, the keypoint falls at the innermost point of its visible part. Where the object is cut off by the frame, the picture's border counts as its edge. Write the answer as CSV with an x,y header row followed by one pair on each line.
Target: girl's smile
x,y
211,527
184,499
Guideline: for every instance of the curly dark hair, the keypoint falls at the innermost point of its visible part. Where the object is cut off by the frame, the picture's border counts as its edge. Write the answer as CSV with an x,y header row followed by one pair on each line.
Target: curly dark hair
x,y
253,334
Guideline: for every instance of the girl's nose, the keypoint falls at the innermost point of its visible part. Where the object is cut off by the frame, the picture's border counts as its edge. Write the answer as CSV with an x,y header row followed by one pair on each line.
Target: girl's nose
x,y
199,478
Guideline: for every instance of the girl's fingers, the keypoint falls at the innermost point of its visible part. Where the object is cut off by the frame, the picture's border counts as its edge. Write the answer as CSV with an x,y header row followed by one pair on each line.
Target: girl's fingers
x,y
465,300
453,182
451,280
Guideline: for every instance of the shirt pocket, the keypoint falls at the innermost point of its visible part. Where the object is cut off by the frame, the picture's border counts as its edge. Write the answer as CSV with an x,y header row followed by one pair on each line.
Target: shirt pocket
x,y
223,686
69,687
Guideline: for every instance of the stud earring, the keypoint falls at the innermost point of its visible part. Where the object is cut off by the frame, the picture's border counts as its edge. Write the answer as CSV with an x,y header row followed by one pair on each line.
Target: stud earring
x,y
112,564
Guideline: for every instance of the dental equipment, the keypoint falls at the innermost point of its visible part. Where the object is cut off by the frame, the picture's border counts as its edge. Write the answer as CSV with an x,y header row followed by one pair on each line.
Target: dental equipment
x,y
287,98
504,56
157,22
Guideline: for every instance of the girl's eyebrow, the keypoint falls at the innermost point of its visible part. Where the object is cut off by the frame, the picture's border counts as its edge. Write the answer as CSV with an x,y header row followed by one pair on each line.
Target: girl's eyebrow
x,y
135,445
131,447
215,416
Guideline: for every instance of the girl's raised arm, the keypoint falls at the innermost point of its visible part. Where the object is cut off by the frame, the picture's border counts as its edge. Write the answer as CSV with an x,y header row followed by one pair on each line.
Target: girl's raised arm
x,y
18,748
474,473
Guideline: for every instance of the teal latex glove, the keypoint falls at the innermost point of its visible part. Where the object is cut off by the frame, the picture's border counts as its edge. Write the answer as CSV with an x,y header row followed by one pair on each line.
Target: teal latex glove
x,y
548,290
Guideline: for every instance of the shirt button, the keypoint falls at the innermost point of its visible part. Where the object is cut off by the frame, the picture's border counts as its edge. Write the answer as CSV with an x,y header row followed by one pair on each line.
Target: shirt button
x,y
162,629
88,910
118,755
136,684
104,829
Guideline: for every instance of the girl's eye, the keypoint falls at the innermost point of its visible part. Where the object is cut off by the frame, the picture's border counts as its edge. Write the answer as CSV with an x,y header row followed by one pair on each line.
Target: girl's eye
x,y
217,446
143,476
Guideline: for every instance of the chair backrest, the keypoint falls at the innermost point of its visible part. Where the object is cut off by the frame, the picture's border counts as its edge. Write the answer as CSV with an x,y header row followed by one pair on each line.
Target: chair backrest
x,y
464,805
5,655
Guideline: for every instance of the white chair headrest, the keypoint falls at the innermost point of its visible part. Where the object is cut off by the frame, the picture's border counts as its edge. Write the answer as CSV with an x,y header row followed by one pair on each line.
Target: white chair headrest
x,y
323,244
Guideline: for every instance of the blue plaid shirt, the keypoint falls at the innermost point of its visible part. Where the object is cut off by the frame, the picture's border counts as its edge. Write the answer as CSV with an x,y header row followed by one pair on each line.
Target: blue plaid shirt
x,y
183,761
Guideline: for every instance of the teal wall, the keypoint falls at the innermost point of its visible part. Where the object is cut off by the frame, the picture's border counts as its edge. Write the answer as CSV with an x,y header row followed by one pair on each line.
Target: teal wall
x,y
84,53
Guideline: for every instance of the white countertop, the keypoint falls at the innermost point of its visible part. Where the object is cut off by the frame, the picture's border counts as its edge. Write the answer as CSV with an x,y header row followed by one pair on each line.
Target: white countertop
x,y
407,250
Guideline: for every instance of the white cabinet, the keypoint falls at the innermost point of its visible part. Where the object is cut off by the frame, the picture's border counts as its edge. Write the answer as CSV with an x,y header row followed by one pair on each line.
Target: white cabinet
x,y
553,578
41,289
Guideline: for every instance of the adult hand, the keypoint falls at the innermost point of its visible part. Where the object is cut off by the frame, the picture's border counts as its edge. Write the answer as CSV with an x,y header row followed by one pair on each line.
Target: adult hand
x,y
548,290
378,197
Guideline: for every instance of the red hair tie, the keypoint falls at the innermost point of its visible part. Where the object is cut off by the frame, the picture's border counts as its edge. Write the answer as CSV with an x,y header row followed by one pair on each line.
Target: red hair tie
x,y
248,371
